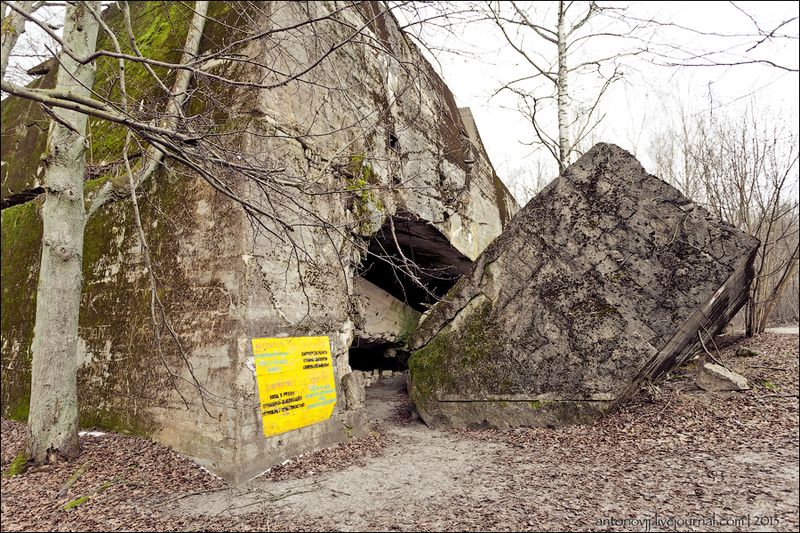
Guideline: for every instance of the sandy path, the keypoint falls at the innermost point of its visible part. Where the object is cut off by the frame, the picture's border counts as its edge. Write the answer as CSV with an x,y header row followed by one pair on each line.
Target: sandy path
x,y
789,330
419,465
685,455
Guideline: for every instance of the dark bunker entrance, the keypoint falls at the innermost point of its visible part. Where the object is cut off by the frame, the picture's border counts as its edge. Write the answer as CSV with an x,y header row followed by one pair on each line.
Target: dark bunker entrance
x,y
410,265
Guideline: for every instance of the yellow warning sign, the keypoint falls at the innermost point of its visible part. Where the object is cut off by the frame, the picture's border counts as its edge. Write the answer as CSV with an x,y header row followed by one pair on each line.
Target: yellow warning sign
x,y
295,380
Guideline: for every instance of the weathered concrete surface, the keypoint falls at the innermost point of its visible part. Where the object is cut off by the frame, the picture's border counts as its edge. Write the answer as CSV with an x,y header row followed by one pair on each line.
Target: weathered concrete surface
x,y
604,279
384,318
370,133
714,378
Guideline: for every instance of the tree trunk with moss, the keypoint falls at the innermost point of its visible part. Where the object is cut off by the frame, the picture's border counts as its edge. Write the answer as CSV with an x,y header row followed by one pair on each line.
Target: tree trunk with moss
x,y
53,419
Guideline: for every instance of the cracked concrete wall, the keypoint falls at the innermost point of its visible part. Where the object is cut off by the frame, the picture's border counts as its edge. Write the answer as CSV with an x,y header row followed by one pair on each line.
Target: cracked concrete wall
x,y
606,278
372,112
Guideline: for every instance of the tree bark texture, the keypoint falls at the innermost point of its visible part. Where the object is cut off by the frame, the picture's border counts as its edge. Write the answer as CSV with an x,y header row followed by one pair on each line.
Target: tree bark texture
x,y
562,96
53,418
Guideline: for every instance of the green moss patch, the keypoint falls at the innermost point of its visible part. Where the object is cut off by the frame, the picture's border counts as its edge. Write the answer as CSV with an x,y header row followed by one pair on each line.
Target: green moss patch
x,y
461,359
366,203
77,502
115,314
160,28
21,230
17,466
767,384
538,404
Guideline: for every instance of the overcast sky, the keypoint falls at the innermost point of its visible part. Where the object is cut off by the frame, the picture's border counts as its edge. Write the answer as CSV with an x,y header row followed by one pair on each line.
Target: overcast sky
x,y
649,95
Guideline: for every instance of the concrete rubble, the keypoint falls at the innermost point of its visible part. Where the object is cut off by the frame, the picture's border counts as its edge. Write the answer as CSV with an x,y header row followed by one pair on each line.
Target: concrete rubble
x,y
605,279
715,378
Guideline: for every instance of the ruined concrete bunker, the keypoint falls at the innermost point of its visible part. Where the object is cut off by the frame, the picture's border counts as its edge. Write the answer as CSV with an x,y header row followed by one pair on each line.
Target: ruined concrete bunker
x,y
370,141
579,297
607,278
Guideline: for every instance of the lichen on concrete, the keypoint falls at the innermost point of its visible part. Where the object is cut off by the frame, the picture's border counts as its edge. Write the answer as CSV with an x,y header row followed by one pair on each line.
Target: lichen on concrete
x,y
602,281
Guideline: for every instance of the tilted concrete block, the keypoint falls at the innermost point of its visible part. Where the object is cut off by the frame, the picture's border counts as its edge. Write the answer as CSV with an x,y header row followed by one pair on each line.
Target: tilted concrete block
x,y
608,277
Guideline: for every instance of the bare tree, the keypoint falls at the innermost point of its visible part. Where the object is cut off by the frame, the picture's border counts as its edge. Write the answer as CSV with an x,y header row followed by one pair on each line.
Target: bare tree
x,y
745,171
53,419
672,151
553,47
753,184
695,46
526,181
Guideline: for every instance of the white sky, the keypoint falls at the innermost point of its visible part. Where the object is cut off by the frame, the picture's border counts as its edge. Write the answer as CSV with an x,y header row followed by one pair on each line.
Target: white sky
x,y
649,95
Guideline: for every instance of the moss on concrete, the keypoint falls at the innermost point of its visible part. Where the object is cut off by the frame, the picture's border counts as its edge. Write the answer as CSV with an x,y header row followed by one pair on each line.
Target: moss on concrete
x,y
537,404
437,368
21,230
115,315
161,29
428,370
110,244
368,208
116,285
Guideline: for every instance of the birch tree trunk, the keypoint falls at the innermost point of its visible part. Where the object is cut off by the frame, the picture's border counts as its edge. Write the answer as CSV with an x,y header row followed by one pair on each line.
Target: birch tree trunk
x,y
53,418
562,96
13,25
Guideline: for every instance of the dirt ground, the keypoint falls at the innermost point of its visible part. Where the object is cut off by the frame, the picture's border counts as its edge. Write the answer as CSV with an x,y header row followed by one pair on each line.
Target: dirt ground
x,y
674,458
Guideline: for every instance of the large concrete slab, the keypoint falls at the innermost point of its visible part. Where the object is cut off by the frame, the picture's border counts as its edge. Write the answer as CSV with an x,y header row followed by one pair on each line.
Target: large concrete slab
x,y
608,277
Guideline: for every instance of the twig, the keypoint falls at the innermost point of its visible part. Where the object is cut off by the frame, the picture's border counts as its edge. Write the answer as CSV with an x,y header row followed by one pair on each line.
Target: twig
x,y
778,369
72,479
716,348
80,500
196,493
286,494
699,336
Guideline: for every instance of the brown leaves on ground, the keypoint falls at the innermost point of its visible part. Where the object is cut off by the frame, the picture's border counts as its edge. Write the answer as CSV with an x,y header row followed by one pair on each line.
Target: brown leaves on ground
x,y
146,480
674,450
404,410
142,474
354,451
